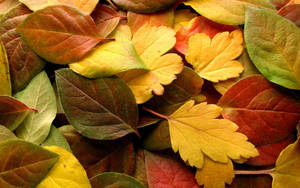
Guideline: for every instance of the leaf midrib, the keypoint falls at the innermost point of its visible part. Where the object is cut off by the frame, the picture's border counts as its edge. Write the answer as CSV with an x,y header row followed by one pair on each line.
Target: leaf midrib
x,y
259,110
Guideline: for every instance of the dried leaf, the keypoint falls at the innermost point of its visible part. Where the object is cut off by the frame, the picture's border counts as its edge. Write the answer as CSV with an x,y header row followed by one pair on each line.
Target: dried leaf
x,y
210,57
40,95
5,88
87,6
214,174
24,164
67,172
62,39
104,108
266,115
230,12
143,6
273,42
151,44
23,62
194,131
164,171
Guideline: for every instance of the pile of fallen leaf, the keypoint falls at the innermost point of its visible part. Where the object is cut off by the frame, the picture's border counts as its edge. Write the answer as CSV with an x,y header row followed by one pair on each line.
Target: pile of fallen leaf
x,y
149,93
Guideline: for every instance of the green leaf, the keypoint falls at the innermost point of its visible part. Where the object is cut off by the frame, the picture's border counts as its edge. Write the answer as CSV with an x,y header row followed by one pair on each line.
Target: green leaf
x,y
24,164
102,109
23,62
144,6
6,134
65,33
40,95
113,179
5,88
273,44
229,12
55,138
12,112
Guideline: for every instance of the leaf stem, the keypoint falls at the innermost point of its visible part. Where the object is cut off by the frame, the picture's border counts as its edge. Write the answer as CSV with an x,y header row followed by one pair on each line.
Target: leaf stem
x,y
156,113
254,172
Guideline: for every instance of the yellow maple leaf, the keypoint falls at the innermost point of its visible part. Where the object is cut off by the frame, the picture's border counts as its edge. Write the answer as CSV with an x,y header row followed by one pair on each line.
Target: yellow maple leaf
x,y
194,131
213,59
286,172
215,174
151,43
67,172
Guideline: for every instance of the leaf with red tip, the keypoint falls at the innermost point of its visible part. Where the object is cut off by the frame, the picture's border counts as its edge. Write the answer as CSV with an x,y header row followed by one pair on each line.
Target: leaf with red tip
x,y
12,112
65,33
199,24
167,172
106,19
263,113
24,63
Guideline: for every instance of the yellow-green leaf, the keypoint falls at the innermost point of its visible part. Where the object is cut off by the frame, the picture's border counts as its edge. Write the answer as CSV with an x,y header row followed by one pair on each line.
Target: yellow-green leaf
x,y
213,59
286,172
67,172
110,58
86,6
230,12
5,87
214,174
151,44
195,132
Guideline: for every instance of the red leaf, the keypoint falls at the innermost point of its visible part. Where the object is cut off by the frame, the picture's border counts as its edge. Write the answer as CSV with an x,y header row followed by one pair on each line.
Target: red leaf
x,y
291,12
199,24
266,115
166,172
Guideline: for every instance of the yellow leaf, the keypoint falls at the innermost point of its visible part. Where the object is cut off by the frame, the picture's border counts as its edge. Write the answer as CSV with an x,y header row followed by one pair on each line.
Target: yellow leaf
x,y
5,87
151,44
67,172
195,131
286,172
87,6
182,18
214,59
214,174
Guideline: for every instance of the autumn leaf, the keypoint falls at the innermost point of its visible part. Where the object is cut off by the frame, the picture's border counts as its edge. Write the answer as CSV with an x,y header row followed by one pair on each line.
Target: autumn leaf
x,y
5,88
62,39
265,114
286,172
272,43
291,12
151,44
6,134
7,5
228,12
140,167
24,164
198,24
195,132
182,18
214,174
211,57
143,6
67,172
165,171
87,6
24,64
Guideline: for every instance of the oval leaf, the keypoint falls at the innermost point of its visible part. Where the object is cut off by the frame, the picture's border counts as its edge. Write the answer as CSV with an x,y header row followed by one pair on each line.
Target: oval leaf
x,y
164,171
12,112
113,179
5,88
67,172
104,109
24,63
24,164
264,114
6,134
230,12
65,33
273,43
40,95
143,6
